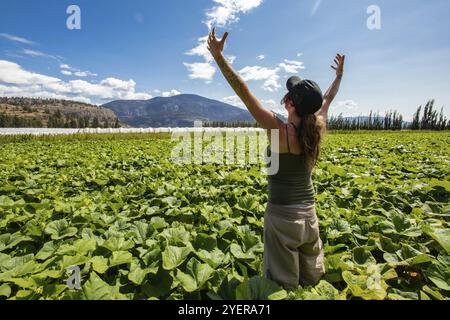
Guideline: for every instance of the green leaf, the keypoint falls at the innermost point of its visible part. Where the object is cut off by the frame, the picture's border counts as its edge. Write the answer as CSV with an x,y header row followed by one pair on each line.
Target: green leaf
x,y
442,236
159,285
120,257
46,251
176,236
8,241
79,247
364,287
137,275
118,244
77,260
141,231
196,275
99,264
215,258
362,257
5,290
96,289
205,242
172,257
237,252
6,202
258,288
439,275
60,229
323,291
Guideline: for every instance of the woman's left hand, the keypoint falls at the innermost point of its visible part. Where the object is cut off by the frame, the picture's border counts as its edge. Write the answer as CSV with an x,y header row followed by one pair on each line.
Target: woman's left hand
x,y
215,46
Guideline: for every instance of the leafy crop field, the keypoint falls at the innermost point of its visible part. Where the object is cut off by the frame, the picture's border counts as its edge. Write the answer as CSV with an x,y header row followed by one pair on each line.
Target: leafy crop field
x,y
141,227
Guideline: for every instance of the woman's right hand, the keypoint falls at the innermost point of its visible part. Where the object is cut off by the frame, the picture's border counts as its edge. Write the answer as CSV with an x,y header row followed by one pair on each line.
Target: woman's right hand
x,y
339,65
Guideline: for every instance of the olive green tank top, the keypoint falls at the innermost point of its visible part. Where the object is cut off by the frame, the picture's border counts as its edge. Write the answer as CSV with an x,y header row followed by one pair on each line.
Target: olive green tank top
x,y
292,185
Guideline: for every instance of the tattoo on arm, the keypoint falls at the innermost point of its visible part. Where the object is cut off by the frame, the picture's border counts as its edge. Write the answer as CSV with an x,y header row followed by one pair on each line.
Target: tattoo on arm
x,y
333,90
232,77
329,97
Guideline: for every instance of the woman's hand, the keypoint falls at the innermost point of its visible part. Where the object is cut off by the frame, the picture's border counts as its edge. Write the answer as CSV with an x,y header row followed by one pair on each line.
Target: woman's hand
x,y
215,46
339,65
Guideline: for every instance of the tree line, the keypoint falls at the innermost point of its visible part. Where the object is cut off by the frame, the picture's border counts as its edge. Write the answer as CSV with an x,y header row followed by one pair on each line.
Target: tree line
x,y
429,119
56,120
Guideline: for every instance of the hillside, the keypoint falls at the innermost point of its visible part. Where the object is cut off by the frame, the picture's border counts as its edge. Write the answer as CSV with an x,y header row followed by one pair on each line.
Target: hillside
x,y
52,113
177,111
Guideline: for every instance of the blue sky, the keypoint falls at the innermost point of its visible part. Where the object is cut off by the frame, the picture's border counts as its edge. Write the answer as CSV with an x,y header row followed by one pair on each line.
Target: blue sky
x,y
140,49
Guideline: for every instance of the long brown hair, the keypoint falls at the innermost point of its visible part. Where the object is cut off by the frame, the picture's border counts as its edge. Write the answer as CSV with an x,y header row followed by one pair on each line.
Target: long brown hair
x,y
310,133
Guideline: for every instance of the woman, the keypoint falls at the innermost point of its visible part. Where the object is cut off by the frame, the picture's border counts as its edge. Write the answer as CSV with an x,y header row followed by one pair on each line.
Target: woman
x,y
293,250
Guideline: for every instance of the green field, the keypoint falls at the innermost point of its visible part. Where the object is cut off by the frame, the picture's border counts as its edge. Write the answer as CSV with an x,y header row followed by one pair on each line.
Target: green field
x,y
141,227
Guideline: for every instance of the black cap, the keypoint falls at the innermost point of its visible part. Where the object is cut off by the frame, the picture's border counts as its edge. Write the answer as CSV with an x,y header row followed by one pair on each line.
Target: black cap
x,y
305,94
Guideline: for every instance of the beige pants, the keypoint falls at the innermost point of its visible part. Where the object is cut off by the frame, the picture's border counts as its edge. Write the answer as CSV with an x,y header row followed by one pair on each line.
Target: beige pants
x,y
293,250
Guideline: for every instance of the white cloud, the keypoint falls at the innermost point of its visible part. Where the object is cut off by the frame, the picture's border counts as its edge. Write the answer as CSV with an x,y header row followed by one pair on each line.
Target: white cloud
x,y
83,74
346,107
14,80
231,59
234,101
271,104
10,91
201,50
16,38
170,93
71,71
261,57
227,11
291,66
299,55
257,73
200,70
35,53
274,106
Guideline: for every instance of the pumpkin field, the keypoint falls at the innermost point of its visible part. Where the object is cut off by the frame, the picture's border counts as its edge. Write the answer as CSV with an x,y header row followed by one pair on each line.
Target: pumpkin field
x,y
141,227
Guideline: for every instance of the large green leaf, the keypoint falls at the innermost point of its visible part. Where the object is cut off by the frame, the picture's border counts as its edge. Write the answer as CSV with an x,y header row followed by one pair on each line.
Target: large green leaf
x,y
176,236
46,251
323,291
442,236
258,288
364,286
214,258
80,247
141,232
99,264
439,275
5,290
8,241
60,229
172,257
118,244
196,275
120,257
138,274
97,289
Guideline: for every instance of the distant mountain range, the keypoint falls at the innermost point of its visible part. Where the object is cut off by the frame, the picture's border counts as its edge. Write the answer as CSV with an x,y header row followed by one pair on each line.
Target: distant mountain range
x,y
177,111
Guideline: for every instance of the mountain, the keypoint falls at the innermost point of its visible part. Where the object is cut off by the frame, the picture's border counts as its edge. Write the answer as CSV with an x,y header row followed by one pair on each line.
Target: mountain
x,y
177,111
53,113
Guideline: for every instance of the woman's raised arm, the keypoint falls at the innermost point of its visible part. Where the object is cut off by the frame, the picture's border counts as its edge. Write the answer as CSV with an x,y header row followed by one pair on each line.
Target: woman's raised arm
x,y
263,116
334,89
